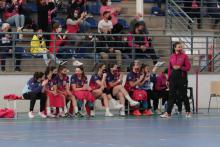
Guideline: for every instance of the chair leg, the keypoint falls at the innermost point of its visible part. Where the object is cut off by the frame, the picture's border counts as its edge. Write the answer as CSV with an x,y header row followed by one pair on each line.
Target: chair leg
x,y
209,102
193,105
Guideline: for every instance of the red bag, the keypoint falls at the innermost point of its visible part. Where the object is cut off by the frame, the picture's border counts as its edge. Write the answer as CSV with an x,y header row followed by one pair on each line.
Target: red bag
x,y
139,95
7,113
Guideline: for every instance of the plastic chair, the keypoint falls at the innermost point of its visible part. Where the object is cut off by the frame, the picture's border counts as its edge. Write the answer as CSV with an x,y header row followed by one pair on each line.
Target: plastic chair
x,y
94,9
32,7
214,92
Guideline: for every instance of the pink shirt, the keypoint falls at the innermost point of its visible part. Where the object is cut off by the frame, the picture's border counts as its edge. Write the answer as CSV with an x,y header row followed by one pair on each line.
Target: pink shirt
x,y
114,14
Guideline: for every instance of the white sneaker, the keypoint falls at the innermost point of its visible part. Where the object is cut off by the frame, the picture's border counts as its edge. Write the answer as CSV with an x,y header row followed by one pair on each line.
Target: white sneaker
x,y
108,114
122,112
51,115
61,114
119,106
92,113
77,63
134,103
42,115
30,114
165,115
158,112
188,114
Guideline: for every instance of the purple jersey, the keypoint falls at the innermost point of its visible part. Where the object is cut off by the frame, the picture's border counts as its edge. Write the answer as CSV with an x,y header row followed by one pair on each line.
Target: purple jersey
x,y
62,83
92,82
79,82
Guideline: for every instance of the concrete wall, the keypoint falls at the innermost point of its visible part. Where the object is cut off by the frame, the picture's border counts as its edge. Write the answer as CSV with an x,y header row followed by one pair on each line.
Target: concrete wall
x,y
15,83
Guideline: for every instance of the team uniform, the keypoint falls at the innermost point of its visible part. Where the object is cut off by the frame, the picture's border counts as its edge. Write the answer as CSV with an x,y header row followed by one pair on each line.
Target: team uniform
x,y
56,100
137,94
111,78
61,84
92,82
82,95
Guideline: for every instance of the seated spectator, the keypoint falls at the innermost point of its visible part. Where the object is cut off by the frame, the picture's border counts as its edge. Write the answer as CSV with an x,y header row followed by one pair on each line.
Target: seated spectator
x,y
138,19
106,41
6,48
58,41
38,46
141,44
12,15
122,45
35,89
214,11
73,26
161,88
114,12
80,5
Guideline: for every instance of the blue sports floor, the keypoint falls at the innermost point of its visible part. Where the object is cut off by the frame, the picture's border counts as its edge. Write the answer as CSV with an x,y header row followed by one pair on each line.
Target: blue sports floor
x,y
200,131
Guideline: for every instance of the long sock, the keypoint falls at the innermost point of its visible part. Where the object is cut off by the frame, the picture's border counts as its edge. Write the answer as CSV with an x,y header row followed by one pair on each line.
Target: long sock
x,y
65,109
76,109
60,109
129,98
107,110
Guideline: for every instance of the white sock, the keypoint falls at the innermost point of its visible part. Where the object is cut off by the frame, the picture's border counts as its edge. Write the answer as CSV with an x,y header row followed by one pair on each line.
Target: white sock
x,y
48,110
107,110
65,109
129,98
76,109
60,109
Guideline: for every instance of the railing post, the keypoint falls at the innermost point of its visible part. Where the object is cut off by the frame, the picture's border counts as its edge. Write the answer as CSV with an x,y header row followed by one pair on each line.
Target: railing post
x,y
13,51
94,46
166,15
54,46
207,54
133,49
213,54
201,16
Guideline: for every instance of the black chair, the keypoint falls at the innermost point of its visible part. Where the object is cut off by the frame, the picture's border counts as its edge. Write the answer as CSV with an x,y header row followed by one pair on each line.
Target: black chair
x,y
191,97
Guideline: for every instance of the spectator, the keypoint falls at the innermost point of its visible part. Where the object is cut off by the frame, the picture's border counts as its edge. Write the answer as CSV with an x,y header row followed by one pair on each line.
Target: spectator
x,y
138,19
114,12
73,26
38,46
59,41
6,48
192,8
12,15
214,11
141,44
106,41
80,6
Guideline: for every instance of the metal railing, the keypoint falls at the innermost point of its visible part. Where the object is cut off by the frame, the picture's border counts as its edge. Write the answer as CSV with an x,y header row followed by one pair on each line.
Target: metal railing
x,y
179,23
205,54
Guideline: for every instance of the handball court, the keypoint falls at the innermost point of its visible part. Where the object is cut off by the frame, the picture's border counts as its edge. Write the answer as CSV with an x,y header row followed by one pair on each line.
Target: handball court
x,y
201,130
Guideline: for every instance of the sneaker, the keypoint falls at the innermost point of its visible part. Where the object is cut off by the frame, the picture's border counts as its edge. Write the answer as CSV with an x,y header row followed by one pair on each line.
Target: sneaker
x,y
51,115
136,113
61,114
68,115
18,69
188,114
79,115
122,112
77,63
108,114
3,69
147,113
30,114
63,62
92,113
134,103
158,112
165,115
119,106
42,115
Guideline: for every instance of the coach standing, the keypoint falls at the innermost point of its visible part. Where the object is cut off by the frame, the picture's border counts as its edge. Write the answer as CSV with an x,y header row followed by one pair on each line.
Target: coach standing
x,y
178,67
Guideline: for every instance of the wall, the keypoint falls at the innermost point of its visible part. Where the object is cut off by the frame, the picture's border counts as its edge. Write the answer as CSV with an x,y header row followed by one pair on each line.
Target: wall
x,y
15,83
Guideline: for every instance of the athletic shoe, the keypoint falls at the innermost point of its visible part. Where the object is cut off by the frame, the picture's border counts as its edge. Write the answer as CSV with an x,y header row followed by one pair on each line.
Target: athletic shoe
x,y
158,112
108,114
79,115
68,115
30,114
61,114
77,63
42,115
165,115
92,113
188,114
122,112
63,62
147,113
119,106
134,103
51,115
136,113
